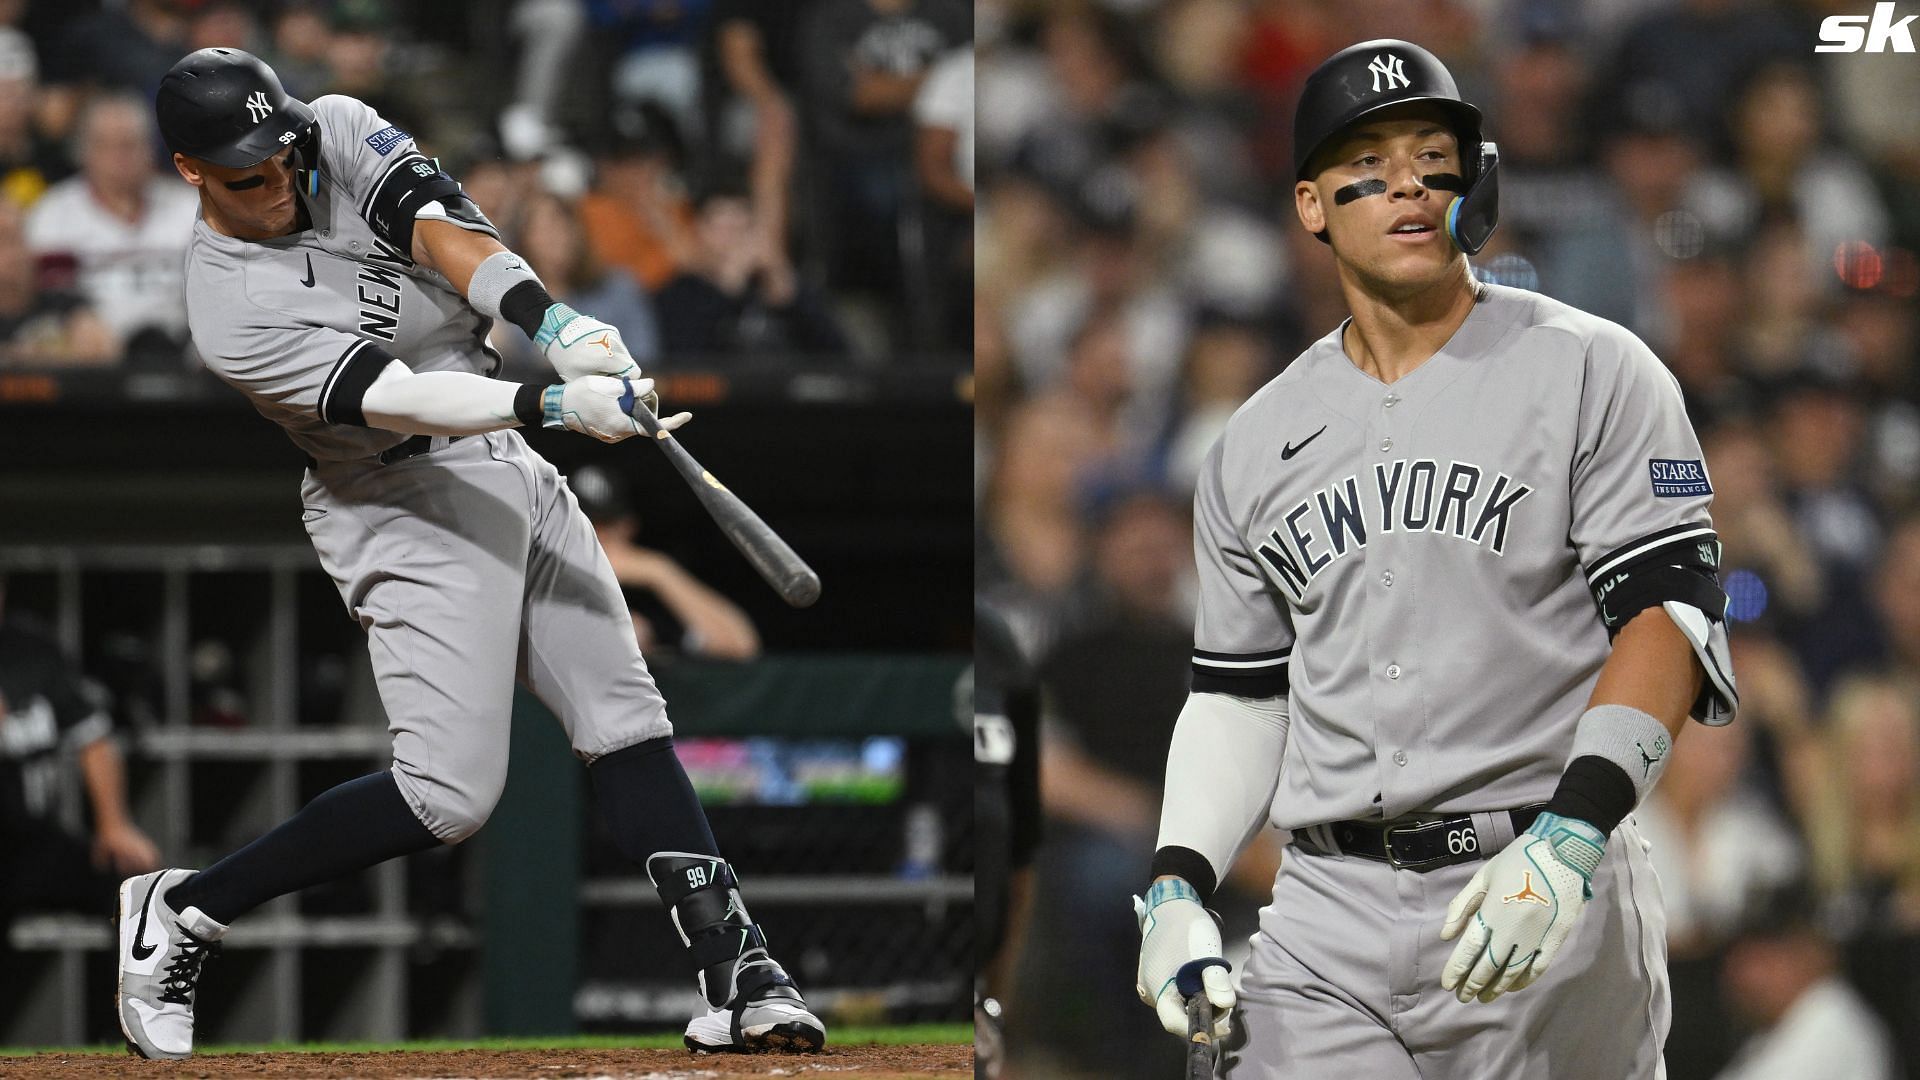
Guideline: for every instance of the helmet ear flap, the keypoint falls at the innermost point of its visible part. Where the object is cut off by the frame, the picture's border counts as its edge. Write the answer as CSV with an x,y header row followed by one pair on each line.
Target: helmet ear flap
x,y
1473,215
306,156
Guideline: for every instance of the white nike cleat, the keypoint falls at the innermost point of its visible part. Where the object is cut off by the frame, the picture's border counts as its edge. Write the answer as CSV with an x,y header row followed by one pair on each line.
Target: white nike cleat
x,y
161,952
778,1022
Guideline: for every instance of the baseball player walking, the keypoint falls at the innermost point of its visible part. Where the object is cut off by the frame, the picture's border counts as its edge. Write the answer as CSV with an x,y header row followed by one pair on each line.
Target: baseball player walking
x,y
345,284
1458,594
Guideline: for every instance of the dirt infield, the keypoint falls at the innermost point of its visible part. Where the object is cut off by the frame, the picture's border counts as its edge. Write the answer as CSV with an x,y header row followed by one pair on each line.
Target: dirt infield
x,y
864,1062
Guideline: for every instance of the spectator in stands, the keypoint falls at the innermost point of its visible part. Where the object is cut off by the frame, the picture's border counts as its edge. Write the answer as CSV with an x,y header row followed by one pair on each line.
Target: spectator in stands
x,y
126,228
1782,167
1817,422
360,63
1702,48
1882,334
549,234
943,160
1227,360
1718,846
301,41
1783,978
548,34
1896,599
636,213
1107,688
224,23
753,117
47,712
721,307
1863,811
120,47
678,610
41,327
1759,532
29,161
656,52
863,62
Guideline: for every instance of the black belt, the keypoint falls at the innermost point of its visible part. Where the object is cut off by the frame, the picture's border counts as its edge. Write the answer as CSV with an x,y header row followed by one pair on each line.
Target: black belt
x,y
1419,843
413,447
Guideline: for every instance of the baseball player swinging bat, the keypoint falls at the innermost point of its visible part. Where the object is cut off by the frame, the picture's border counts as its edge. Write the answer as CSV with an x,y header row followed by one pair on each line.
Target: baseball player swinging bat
x,y
776,562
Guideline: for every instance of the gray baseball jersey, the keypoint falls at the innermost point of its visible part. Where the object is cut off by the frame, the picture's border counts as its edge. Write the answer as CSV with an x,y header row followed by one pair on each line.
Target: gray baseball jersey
x,y
302,324
1411,563
469,567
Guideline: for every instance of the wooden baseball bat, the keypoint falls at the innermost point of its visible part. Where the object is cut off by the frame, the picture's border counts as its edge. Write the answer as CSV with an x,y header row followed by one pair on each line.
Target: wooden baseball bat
x,y
1199,1037
1200,1052
776,562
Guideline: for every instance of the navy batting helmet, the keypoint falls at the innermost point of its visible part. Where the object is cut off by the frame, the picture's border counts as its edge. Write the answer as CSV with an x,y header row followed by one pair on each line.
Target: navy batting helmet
x,y
1363,79
228,107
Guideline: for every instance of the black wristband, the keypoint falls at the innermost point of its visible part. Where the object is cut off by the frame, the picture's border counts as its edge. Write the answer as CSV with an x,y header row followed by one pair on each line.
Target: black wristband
x,y
525,305
1594,790
1186,863
528,406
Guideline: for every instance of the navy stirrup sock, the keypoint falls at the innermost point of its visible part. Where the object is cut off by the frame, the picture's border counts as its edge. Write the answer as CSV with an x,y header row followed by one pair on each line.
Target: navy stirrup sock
x,y
344,829
648,803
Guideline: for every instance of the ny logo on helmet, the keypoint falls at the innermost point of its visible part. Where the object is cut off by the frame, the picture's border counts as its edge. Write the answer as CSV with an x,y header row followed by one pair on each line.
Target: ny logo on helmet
x,y
1393,68
257,106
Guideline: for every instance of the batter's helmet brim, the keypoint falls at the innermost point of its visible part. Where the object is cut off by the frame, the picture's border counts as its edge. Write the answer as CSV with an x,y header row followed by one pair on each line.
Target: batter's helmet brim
x,y
288,126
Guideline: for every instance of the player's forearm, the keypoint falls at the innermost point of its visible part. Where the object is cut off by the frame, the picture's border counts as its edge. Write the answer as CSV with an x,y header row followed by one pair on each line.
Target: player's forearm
x,y
1623,741
1652,669
105,777
1222,768
441,402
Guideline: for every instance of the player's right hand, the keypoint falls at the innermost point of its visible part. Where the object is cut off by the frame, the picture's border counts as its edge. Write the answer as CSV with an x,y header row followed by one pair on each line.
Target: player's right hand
x,y
590,405
1176,931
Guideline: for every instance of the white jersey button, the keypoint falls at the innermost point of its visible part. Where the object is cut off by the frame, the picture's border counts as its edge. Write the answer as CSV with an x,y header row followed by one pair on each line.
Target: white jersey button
x,y
1386,445
1387,579
1392,400
1393,671
1400,757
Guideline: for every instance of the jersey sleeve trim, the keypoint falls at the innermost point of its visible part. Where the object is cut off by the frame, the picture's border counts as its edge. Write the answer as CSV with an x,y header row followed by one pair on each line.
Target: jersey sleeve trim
x,y
347,383
1252,675
1651,546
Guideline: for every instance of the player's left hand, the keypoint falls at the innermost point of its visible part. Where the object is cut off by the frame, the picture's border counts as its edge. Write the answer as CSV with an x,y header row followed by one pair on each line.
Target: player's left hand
x,y
578,345
1519,908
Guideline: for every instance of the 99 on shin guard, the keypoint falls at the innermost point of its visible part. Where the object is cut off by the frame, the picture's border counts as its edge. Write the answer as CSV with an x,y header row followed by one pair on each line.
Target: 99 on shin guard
x,y
729,952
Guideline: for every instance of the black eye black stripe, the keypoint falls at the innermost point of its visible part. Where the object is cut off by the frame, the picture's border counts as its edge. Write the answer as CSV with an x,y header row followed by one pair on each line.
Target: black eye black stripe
x,y
244,185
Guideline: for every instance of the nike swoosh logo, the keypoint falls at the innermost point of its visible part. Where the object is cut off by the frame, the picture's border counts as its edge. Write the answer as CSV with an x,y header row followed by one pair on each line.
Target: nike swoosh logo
x,y
142,950
1287,452
309,282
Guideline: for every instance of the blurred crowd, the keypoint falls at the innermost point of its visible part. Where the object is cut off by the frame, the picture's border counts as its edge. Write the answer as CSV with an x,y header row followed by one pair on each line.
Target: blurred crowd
x,y
727,181
1689,168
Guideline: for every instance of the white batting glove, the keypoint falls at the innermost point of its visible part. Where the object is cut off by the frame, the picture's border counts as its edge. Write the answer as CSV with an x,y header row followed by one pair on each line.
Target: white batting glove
x,y
1519,908
597,405
579,345
1175,931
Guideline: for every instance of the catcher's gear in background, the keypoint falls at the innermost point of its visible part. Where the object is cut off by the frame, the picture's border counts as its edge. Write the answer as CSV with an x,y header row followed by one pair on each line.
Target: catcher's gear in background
x,y
1519,908
1363,79
1175,932
228,107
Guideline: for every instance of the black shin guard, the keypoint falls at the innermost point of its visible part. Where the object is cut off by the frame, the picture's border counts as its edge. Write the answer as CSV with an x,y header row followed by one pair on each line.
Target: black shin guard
x,y
729,952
